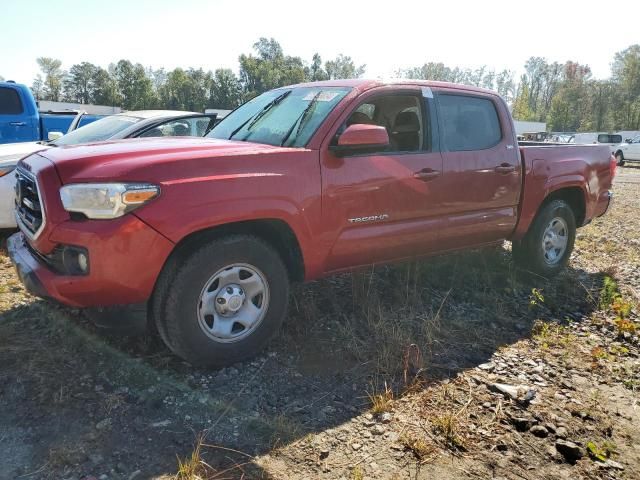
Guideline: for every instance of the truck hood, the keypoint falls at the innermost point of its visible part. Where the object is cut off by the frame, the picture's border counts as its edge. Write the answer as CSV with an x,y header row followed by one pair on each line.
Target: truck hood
x,y
148,159
10,153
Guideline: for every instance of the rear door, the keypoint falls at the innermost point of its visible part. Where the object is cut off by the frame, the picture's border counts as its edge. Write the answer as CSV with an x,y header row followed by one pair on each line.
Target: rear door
x,y
15,122
481,168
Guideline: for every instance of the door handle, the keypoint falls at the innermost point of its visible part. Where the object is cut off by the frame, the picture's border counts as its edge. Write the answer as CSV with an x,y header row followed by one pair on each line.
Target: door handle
x,y
17,124
505,168
426,174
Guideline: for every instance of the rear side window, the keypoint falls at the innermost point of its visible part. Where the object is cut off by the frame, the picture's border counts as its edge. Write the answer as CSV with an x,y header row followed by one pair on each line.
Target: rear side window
x,y
470,123
606,138
10,103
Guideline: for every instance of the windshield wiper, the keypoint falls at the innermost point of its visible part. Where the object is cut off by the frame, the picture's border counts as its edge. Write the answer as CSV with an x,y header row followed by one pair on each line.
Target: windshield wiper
x,y
300,121
260,114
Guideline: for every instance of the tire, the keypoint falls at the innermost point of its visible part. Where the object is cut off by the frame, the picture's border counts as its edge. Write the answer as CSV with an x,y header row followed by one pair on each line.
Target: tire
x,y
541,252
201,306
619,159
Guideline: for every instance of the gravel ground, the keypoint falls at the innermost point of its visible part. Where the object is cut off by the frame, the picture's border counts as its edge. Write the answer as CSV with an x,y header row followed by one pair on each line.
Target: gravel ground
x,y
459,367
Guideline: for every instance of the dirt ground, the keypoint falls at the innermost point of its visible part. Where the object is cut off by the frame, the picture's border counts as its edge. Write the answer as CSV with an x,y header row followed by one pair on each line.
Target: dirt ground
x,y
456,367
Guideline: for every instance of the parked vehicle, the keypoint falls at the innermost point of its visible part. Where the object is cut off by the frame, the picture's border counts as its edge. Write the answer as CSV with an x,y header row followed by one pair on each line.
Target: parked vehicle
x,y
299,183
20,120
143,123
613,140
628,151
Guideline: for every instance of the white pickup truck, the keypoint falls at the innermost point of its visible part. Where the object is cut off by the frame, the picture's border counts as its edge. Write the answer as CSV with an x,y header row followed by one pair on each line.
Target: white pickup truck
x,y
628,151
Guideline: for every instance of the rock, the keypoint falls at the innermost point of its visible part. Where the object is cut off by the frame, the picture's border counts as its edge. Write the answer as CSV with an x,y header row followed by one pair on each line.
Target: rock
x,y
386,417
539,431
96,458
522,424
324,453
163,423
614,465
356,446
135,474
487,366
103,424
521,393
378,430
569,450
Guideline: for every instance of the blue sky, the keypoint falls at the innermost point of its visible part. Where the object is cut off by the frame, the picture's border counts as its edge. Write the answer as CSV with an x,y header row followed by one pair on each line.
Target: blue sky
x,y
385,35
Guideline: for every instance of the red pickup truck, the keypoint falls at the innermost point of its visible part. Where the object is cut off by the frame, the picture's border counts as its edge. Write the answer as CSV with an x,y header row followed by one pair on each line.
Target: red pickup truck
x,y
300,182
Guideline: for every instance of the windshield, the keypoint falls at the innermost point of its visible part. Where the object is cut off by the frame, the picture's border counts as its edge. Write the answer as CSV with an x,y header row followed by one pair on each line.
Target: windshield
x,y
102,129
286,116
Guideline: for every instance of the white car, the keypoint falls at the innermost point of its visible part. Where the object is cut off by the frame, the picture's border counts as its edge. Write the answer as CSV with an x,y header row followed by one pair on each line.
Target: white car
x,y
146,123
629,152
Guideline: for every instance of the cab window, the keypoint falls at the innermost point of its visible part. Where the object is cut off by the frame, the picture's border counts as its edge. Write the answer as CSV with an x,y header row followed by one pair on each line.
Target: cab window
x,y
401,115
469,123
10,103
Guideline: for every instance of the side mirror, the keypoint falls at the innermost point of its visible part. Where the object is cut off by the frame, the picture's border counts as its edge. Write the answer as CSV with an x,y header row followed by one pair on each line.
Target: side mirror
x,y
54,136
361,138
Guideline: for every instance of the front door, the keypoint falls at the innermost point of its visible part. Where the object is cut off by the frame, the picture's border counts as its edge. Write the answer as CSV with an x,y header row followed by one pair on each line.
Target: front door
x,y
15,123
384,205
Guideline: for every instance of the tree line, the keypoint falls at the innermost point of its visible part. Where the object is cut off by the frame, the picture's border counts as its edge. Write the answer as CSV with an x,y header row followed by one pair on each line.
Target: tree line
x,y
565,95
134,87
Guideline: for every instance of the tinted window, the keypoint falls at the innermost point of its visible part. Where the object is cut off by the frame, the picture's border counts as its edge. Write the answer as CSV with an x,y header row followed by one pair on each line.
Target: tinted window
x,y
10,103
470,123
606,138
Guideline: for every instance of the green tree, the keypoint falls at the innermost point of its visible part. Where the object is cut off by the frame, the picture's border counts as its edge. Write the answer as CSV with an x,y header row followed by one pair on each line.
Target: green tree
x,y
53,77
78,85
226,91
37,87
315,71
134,87
105,88
521,109
625,71
570,106
269,69
343,67
186,90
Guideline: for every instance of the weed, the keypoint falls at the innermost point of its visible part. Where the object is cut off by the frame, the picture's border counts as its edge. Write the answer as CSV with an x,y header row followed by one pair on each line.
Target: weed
x,y
536,298
357,473
381,402
448,427
609,292
418,446
624,325
192,467
601,452
599,353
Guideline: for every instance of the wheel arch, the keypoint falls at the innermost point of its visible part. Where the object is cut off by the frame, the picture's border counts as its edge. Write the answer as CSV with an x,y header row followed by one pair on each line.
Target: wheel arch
x,y
275,232
574,196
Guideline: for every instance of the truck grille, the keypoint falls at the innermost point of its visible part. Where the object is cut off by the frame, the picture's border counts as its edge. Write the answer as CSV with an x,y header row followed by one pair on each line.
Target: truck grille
x,y
28,207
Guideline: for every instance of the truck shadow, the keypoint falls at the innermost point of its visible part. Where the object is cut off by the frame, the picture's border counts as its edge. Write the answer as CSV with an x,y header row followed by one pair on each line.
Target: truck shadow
x,y
346,338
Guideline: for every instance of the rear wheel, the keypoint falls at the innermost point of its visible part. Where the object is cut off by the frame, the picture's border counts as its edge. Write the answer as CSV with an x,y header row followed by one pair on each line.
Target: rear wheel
x,y
619,159
548,244
222,304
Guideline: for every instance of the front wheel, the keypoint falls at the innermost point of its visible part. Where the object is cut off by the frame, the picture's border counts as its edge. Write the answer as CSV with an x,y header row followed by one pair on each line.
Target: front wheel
x,y
223,302
619,159
548,244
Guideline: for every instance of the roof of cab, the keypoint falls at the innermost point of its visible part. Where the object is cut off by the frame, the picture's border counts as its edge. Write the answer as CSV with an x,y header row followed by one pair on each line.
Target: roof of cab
x,y
364,84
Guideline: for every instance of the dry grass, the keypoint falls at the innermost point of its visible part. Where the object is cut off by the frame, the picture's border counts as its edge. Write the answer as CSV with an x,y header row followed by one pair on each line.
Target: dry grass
x,y
381,402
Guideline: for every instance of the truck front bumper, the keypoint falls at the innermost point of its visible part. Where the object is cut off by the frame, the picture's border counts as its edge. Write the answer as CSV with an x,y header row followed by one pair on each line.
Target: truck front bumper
x,y
125,258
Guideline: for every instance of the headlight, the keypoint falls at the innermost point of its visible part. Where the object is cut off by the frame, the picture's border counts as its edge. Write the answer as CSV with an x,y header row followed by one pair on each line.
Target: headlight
x,y
5,169
106,200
